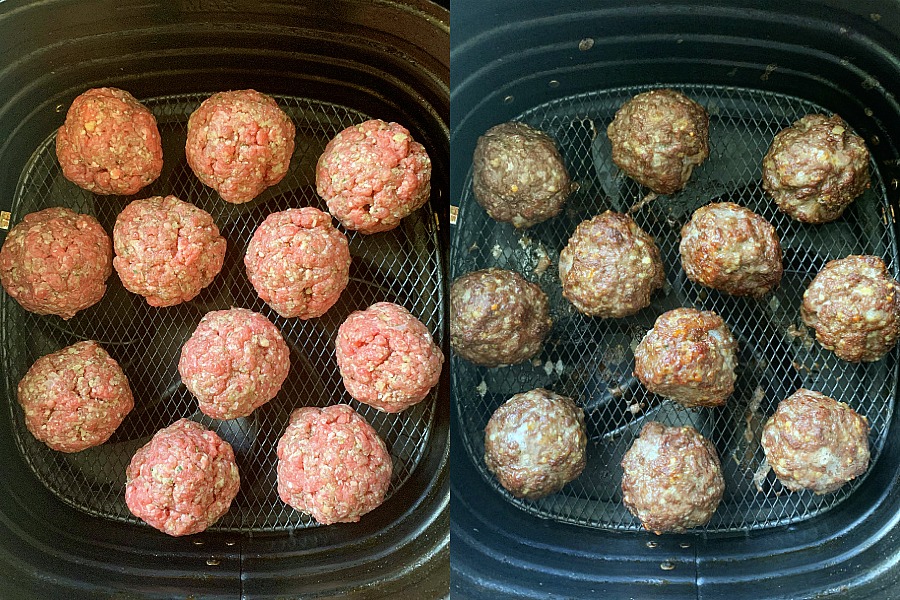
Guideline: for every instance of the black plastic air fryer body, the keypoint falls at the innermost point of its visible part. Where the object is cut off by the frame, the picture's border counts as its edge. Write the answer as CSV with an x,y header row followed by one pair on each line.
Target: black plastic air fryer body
x,y
507,57
388,59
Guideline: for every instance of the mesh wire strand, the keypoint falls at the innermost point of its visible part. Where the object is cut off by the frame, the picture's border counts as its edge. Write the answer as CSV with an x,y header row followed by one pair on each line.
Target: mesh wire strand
x,y
401,266
591,360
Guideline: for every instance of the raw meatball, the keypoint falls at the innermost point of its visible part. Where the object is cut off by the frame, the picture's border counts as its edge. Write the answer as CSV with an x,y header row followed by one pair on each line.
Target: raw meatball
x,y
183,480
56,262
497,317
75,398
732,249
109,143
372,175
332,464
610,267
518,175
235,361
853,306
298,262
816,443
239,143
167,250
816,168
387,357
535,443
673,478
658,137
688,356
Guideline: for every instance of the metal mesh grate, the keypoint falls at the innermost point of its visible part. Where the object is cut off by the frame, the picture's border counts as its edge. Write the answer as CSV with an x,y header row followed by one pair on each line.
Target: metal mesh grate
x,y
401,266
591,360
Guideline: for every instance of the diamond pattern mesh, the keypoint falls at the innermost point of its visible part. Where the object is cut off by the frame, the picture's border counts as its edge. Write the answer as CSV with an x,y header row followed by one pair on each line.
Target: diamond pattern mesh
x,y
401,266
591,360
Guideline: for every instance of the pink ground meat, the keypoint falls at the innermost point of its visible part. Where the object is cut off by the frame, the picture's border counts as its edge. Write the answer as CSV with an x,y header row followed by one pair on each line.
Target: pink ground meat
x,y
332,464
56,262
75,398
387,357
298,262
109,143
235,361
372,175
183,480
239,143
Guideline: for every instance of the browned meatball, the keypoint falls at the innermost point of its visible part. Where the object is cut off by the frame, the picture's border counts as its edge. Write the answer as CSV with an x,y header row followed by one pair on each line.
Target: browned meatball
x,y
688,356
518,175
610,267
497,317
535,443
815,168
673,478
853,306
816,443
732,249
658,137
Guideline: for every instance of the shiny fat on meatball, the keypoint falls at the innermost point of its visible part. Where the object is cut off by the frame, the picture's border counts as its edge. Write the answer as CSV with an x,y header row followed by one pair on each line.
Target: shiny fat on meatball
x,y
814,442
672,478
688,356
535,443
610,267
658,137
732,249
497,317
815,168
518,175
853,306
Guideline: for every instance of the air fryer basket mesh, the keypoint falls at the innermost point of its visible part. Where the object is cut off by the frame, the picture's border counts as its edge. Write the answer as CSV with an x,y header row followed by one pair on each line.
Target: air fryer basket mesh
x,y
591,359
401,266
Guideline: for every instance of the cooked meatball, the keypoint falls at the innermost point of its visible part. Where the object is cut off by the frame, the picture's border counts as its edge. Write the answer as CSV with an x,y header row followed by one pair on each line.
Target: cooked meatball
x,y
183,480
332,464
234,362
75,398
688,356
518,175
56,262
298,262
732,249
658,137
109,143
167,250
535,443
853,306
497,317
239,143
372,175
814,442
387,357
815,168
672,478
610,267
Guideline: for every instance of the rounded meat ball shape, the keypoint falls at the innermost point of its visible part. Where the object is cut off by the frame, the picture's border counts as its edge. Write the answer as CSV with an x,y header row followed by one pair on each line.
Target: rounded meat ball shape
x,y
658,137
688,356
535,443
816,443
332,464
732,249
610,267
518,175
672,478
56,262
816,168
183,480
497,317
853,306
